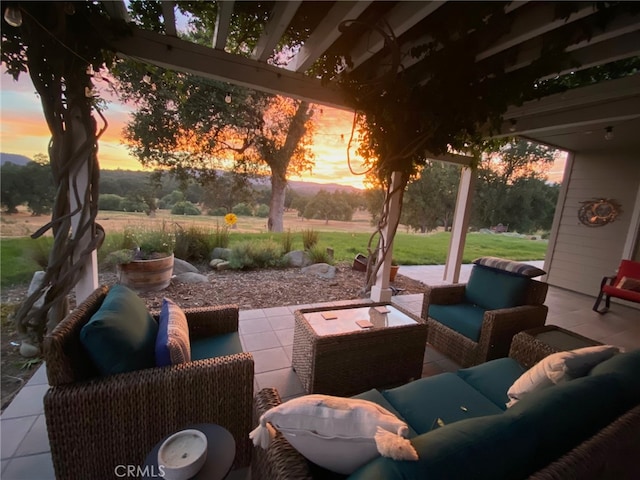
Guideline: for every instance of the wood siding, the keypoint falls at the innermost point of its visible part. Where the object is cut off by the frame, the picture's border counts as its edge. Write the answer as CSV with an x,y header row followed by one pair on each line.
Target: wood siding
x,y
582,255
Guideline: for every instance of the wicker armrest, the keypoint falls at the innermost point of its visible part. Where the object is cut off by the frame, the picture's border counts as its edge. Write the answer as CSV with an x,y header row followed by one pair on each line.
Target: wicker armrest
x,y
280,461
208,321
116,420
442,295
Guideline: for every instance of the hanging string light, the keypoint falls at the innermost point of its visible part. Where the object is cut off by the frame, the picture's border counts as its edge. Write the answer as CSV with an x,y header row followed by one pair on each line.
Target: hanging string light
x,y
227,98
146,78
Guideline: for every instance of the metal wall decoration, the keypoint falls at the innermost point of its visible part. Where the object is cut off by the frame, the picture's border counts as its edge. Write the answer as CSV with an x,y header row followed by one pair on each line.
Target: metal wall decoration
x,y
598,212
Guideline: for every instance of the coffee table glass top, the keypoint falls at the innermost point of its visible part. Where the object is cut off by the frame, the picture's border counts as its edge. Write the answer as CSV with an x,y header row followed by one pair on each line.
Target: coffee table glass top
x,y
332,322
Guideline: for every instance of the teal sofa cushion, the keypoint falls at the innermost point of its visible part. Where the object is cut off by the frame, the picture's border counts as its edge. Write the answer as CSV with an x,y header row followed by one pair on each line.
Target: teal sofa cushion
x,y
375,396
216,346
485,448
562,416
494,289
493,378
626,368
445,396
121,335
464,318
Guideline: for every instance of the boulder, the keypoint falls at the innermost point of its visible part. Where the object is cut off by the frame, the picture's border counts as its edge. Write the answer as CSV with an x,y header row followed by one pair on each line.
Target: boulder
x,y
215,262
191,277
223,253
297,258
223,266
322,270
181,266
27,350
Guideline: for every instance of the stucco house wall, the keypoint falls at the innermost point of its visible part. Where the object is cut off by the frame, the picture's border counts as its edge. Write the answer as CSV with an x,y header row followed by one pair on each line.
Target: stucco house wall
x,y
578,255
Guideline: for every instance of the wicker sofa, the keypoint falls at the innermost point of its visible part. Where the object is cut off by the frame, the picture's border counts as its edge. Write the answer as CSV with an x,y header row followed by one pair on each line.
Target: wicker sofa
x,y
97,422
474,322
588,428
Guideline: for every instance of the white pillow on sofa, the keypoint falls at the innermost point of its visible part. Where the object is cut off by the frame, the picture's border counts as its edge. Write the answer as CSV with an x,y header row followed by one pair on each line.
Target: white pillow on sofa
x,y
336,433
558,368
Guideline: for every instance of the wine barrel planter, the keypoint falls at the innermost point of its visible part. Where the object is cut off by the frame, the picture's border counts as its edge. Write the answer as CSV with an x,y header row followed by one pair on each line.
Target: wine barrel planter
x,y
392,272
146,275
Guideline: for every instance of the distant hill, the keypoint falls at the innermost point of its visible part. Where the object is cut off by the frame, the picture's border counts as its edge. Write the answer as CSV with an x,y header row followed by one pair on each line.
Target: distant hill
x,y
311,188
14,158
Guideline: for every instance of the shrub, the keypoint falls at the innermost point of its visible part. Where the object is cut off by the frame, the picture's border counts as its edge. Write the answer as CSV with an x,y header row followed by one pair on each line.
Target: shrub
x,y
168,201
286,239
110,201
193,243
309,238
318,254
262,211
133,205
185,208
220,237
242,209
217,212
263,254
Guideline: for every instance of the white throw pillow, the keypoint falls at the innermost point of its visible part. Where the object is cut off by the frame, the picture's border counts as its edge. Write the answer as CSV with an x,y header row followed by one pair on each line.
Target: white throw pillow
x,y
336,433
559,368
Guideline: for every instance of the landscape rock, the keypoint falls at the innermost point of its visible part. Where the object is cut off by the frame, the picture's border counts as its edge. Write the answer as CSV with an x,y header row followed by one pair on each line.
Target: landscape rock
x,y
181,266
223,253
191,277
28,351
223,266
322,270
297,258
215,262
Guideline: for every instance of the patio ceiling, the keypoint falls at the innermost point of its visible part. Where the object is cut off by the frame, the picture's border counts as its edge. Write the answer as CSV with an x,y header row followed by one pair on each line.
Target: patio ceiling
x,y
531,25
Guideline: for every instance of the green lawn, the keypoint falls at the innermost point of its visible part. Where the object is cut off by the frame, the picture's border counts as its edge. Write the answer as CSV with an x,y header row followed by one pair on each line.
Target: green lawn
x,y
17,265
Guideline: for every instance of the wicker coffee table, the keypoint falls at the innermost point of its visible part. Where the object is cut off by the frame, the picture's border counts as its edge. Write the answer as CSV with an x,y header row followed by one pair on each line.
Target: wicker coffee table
x,y
333,355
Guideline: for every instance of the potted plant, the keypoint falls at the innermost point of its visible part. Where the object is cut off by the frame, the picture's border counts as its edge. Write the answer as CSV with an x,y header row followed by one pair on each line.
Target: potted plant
x,y
145,262
393,271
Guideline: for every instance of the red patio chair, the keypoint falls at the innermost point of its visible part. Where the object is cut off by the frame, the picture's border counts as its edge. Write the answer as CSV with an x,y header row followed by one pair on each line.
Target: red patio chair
x,y
624,285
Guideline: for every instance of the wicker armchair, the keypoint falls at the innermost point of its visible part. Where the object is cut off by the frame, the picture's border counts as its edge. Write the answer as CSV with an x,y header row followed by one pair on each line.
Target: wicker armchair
x,y
96,423
498,326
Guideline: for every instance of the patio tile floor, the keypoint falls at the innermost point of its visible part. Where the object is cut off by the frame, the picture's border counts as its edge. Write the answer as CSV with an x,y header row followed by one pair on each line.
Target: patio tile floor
x,y
268,335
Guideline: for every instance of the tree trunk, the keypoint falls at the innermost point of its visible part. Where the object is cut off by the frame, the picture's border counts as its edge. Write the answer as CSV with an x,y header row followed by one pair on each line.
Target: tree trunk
x,y
276,204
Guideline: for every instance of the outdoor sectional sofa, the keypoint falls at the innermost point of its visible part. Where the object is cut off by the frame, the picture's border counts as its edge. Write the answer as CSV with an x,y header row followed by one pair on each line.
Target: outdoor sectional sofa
x,y
587,428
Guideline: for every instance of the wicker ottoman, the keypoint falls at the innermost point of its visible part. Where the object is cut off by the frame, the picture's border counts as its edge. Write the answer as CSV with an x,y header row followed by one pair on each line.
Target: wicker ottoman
x,y
333,355
531,346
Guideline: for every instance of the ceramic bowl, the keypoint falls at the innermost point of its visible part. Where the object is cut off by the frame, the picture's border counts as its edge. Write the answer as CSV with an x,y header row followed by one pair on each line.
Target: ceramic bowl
x,y
183,454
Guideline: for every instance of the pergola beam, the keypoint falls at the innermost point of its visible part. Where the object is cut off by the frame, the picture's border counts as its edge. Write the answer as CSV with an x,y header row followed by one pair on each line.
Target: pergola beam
x,y
176,54
169,18
281,15
400,19
223,19
326,33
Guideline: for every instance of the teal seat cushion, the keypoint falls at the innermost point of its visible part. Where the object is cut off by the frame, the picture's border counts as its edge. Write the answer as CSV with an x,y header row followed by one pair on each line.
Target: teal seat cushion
x,y
494,289
484,448
464,318
375,396
560,417
216,346
446,396
493,378
121,335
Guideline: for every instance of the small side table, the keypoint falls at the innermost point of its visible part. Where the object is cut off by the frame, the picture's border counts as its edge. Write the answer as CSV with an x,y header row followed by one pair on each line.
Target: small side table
x,y
531,346
221,450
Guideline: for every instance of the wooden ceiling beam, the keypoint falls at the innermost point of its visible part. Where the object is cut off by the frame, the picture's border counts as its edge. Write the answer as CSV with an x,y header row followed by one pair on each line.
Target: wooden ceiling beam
x,y
169,18
280,18
221,30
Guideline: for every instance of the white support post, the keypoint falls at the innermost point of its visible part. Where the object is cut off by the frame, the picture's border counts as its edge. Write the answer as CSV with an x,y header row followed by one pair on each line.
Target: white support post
x,y
460,225
88,280
380,292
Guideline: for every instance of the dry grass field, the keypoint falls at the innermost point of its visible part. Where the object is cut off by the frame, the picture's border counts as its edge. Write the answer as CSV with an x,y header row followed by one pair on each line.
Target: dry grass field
x,y
23,224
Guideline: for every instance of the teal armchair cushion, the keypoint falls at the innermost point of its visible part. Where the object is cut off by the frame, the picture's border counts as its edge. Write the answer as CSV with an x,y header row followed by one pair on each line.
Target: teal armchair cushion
x,y
216,346
626,368
494,289
121,335
375,396
445,396
493,378
464,318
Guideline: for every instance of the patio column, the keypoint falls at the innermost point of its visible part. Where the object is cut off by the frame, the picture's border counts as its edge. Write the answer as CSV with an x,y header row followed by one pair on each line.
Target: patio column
x,y
460,225
380,292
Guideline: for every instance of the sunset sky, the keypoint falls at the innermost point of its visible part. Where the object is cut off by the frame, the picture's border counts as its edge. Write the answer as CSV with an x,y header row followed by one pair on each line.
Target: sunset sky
x,y
24,131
